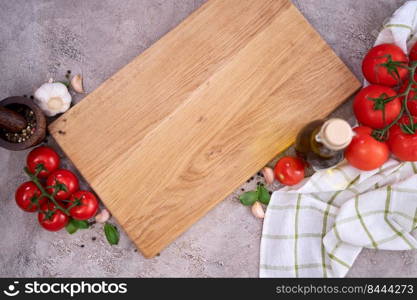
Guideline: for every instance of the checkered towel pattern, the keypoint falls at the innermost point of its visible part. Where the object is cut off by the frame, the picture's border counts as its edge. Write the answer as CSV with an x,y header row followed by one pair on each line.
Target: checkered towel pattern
x,y
318,228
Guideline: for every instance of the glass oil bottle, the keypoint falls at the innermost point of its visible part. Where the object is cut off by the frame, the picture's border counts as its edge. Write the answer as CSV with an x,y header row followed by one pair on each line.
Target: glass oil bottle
x,y
321,143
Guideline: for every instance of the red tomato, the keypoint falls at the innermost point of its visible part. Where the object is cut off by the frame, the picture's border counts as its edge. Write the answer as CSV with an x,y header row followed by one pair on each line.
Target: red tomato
x,y
381,65
65,177
413,53
364,152
45,156
289,170
369,103
86,205
412,96
53,220
25,197
402,144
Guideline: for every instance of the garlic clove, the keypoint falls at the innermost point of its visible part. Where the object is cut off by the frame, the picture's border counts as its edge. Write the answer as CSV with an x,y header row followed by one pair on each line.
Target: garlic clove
x,y
103,216
268,174
77,83
257,210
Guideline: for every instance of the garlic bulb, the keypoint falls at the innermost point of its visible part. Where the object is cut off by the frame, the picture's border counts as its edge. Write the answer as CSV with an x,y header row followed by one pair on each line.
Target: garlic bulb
x,y
53,98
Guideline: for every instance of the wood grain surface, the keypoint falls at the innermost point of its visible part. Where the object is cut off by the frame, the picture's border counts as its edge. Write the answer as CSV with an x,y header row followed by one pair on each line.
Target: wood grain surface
x,y
190,119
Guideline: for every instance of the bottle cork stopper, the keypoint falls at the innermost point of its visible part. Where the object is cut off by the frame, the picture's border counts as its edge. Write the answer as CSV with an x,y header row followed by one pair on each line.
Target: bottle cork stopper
x,y
336,134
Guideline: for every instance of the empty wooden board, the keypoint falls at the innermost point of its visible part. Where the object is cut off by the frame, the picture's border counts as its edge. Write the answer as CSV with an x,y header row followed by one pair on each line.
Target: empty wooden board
x,y
190,119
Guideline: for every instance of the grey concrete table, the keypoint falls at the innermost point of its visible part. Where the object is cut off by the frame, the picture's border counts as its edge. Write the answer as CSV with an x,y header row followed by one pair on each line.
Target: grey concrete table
x,y
43,39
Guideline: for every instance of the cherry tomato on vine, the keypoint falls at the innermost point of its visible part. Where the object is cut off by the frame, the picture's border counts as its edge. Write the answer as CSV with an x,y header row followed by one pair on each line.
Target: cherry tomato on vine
x,y
413,53
364,151
372,108
402,140
412,96
43,155
26,195
66,178
383,65
289,170
51,218
86,205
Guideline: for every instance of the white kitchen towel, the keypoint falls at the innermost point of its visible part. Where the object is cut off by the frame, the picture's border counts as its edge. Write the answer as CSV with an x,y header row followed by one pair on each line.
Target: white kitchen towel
x,y
317,228
401,28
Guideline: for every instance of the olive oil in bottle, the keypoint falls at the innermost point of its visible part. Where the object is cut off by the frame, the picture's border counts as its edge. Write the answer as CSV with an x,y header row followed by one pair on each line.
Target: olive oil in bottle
x,y
322,142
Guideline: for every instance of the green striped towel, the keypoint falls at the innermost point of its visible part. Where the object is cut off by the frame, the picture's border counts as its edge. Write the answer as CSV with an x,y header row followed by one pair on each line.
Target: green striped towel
x,y
318,228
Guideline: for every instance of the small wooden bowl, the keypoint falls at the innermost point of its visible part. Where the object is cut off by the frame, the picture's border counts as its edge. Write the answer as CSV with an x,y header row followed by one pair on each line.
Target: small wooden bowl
x,y
40,130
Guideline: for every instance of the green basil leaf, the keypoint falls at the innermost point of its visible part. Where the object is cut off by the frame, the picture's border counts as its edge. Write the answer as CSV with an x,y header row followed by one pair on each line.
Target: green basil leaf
x,y
74,225
71,228
80,224
112,234
263,195
66,83
248,198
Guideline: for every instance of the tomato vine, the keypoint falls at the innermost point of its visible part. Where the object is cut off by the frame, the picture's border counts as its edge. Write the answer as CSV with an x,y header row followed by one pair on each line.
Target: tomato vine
x,y
381,134
44,193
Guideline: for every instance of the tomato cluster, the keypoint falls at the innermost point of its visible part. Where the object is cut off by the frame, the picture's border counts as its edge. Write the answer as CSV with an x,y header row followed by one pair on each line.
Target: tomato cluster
x,y
52,192
386,109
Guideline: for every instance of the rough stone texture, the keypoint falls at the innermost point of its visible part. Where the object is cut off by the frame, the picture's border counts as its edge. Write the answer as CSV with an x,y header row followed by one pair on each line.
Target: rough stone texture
x,y
43,39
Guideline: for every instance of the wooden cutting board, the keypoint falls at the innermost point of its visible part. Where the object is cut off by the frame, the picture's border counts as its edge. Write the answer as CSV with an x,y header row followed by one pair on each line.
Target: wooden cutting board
x,y
190,119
